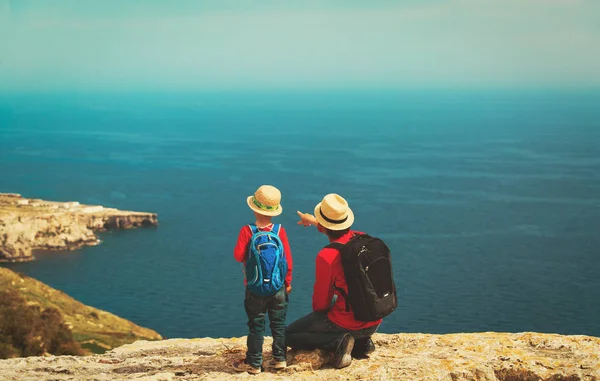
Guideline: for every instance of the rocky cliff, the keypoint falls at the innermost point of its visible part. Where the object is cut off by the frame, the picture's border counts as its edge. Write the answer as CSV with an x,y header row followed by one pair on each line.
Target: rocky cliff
x,y
31,224
456,357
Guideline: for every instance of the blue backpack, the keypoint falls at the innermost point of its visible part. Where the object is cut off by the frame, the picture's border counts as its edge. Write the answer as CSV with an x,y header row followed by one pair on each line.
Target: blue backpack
x,y
266,265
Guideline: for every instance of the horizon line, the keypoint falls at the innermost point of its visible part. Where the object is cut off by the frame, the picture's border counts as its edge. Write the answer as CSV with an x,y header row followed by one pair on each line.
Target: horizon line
x,y
366,89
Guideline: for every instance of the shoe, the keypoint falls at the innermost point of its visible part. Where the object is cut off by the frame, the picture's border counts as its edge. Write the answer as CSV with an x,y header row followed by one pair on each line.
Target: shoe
x,y
363,348
276,364
370,347
343,356
243,366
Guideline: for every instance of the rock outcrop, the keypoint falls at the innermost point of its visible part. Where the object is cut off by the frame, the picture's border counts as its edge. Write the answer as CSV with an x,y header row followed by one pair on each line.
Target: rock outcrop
x,y
455,357
30,224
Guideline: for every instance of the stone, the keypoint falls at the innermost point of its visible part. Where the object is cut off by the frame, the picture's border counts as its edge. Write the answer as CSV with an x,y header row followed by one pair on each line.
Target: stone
x,y
486,356
11,195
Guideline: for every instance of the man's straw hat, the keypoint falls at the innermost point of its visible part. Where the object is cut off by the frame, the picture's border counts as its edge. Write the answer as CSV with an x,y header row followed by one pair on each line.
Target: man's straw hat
x,y
266,201
333,213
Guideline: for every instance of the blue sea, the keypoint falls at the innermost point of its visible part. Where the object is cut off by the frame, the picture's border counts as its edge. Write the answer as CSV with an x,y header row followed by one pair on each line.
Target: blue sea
x,y
489,200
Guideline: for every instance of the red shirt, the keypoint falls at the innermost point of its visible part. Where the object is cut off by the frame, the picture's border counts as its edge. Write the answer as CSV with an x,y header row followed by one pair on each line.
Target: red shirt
x,y
329,271
240,252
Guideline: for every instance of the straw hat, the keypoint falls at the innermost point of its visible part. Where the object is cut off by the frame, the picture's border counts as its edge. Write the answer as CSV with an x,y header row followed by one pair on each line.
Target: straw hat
x,y
333,213
266,201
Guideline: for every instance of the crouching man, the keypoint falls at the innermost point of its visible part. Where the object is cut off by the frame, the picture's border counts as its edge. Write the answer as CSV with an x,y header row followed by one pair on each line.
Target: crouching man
x,y
343,318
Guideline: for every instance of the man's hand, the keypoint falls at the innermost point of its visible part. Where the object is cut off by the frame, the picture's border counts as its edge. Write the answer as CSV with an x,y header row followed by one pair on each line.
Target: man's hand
x,y
288,289
306,219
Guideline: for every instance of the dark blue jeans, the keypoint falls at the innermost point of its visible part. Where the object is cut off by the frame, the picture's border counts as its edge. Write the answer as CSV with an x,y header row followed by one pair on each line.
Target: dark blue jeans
x,y
256,308
316,331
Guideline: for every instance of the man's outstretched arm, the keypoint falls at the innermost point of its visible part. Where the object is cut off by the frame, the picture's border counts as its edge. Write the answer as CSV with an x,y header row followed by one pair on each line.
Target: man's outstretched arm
x,y
307,219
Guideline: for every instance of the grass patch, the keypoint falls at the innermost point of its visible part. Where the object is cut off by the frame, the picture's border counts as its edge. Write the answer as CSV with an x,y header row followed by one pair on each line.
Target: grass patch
x,y
88,325
93,348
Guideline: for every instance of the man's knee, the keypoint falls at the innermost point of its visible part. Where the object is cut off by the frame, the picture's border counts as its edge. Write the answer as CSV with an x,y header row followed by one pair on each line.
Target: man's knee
x,y
291,328
291,335
288,334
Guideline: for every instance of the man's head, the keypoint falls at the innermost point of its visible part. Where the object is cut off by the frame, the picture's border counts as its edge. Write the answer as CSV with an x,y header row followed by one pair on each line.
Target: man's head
x,y
266,201
334,216
333,235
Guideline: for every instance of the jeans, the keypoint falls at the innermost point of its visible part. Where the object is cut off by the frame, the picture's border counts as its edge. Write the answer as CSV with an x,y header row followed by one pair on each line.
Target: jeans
x,y
256,308
316,331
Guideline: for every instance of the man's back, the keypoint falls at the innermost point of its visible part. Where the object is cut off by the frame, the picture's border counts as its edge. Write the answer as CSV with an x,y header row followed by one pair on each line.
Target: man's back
x,y
330,274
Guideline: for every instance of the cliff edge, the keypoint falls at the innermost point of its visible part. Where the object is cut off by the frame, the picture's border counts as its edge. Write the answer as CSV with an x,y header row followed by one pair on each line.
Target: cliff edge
x,y
33,224
454,357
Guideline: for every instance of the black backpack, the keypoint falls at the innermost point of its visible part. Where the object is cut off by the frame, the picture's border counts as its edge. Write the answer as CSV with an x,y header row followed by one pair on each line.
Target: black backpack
x,y
367,267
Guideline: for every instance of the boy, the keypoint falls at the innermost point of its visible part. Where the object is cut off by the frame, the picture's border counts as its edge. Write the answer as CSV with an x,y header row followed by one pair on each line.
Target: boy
x,y
266,204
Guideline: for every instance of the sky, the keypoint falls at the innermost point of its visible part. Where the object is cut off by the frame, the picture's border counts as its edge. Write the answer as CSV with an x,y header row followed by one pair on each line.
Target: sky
x,y
237,44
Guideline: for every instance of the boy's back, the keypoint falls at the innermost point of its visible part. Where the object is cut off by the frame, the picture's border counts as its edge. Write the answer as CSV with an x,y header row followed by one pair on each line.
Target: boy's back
x,y
241,250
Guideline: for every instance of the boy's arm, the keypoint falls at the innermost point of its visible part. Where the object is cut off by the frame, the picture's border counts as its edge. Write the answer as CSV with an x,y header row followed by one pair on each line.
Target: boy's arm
x,y
288,258
323,292
241,248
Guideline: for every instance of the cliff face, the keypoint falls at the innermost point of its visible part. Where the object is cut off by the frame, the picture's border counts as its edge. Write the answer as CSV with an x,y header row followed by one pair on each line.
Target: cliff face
x,y
29,224
456,357
96,330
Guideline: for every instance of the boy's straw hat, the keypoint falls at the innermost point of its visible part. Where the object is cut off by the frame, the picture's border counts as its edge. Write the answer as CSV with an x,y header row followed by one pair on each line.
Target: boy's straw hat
x,y
333,212
266,201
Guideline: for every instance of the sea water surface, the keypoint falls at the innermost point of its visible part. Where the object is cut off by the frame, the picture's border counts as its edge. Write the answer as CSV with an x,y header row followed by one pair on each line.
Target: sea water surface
x,y
489,201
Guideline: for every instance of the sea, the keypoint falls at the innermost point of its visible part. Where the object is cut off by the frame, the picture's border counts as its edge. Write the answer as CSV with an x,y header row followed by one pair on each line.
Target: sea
x,y
488,199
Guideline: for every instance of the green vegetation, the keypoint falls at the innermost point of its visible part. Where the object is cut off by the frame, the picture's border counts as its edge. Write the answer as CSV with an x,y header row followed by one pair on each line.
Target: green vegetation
x,y
94,330
27,330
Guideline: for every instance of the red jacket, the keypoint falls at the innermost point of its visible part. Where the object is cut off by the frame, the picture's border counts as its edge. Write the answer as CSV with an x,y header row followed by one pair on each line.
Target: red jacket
x,y
329,272
240,252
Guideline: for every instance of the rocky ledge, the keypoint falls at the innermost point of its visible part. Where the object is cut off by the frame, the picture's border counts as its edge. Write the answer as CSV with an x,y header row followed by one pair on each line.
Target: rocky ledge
x,y
32,224
469,357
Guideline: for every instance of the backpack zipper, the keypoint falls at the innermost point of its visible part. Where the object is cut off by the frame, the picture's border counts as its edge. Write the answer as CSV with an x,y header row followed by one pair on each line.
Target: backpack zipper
x,y
265,244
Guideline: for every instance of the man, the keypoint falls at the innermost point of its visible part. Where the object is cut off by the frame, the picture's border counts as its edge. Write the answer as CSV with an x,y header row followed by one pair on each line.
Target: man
x,y
332,325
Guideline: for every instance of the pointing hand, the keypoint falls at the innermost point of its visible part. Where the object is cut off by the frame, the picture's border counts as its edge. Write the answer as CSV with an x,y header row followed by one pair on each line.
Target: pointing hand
x,y
306,219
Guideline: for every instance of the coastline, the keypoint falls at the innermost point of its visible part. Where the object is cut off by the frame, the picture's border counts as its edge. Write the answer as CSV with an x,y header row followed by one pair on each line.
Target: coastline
x,y
28,225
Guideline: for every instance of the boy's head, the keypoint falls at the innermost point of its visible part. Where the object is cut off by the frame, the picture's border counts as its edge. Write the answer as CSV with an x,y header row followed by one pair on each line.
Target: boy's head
x,y
266,201
334,216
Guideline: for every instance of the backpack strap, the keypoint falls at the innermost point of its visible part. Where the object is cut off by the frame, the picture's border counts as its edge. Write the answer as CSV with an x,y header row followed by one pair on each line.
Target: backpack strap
x,y
344,294
338,246
276,228
253,228
335,245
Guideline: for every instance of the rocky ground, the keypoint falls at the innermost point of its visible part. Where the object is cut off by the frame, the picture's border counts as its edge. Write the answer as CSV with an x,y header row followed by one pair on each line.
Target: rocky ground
x,y
32,224
456,357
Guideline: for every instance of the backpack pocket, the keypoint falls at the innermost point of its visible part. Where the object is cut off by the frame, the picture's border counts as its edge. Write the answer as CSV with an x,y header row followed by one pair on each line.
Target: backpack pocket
x,y
265,276
377,274
251,274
